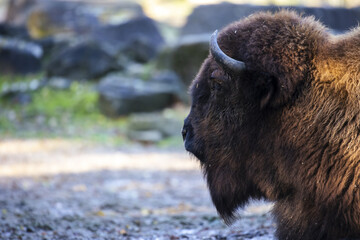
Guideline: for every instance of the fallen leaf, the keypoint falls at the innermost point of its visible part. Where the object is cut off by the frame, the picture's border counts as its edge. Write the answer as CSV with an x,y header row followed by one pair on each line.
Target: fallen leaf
x,y
79,188
100,213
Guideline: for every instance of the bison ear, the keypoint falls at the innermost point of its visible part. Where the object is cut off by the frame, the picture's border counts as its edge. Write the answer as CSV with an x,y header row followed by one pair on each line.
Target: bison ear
x,y
266,87
265,98
275,91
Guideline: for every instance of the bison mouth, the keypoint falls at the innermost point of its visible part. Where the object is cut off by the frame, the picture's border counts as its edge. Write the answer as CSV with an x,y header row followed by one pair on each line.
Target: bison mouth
x,y
191,144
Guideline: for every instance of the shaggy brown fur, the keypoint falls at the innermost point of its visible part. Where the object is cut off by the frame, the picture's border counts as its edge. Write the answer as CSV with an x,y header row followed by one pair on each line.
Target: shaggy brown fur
x,y
287,129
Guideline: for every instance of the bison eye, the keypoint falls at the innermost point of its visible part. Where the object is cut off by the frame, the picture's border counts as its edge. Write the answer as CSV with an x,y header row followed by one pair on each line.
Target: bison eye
x,y
216,84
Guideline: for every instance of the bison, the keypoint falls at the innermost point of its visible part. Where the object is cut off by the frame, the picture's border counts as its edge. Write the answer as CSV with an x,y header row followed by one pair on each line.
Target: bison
x,y
275,115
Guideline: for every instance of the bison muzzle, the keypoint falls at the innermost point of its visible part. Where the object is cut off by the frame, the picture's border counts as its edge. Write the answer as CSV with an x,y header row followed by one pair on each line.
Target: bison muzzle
x,y
275,115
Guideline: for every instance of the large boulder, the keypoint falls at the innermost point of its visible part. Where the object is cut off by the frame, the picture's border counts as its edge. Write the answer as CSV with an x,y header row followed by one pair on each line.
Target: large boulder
x,y
153,127
116,12
138,38
52,46
185,57
14,31
121,96
48,45
19,56
207,18
85,60
172,80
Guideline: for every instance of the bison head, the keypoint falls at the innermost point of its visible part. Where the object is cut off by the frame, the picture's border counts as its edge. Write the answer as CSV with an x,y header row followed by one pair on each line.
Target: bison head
x,y
269,114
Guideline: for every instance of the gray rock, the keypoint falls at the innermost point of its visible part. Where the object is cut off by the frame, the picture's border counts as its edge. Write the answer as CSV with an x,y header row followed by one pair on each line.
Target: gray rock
x,y
19,92
59,83
152,127
139,38
186,56
172,79
13,31
117,12
49,18
337,19
121,96
19,56
208,18
86,60
52,46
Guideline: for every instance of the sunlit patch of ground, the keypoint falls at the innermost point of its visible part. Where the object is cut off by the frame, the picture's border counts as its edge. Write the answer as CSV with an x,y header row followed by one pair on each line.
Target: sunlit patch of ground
x,y
49,157
60,189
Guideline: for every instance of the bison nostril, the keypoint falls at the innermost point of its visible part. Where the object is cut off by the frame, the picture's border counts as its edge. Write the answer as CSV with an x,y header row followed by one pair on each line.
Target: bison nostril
x,y
184,132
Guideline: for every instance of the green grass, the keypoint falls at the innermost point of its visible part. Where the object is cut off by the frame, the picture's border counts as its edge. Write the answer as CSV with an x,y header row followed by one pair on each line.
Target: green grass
x,y
71,114
78,101
171,142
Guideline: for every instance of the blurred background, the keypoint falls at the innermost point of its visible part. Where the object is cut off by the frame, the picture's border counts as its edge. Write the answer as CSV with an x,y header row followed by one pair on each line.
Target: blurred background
x,y
117,72
93,94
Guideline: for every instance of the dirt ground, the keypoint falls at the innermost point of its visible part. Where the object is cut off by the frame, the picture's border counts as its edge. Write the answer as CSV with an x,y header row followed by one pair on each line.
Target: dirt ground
x,y
54,189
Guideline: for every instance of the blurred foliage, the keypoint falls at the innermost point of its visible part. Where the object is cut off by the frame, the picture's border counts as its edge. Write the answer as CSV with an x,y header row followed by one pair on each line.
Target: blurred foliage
x,y
78,101
38,25
72,113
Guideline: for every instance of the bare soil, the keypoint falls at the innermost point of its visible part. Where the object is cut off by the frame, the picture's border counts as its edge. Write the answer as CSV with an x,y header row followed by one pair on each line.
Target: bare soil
x,y
55,189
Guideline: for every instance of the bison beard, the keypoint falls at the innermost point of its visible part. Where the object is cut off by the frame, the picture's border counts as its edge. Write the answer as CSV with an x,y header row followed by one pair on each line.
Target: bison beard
x,y
276,115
